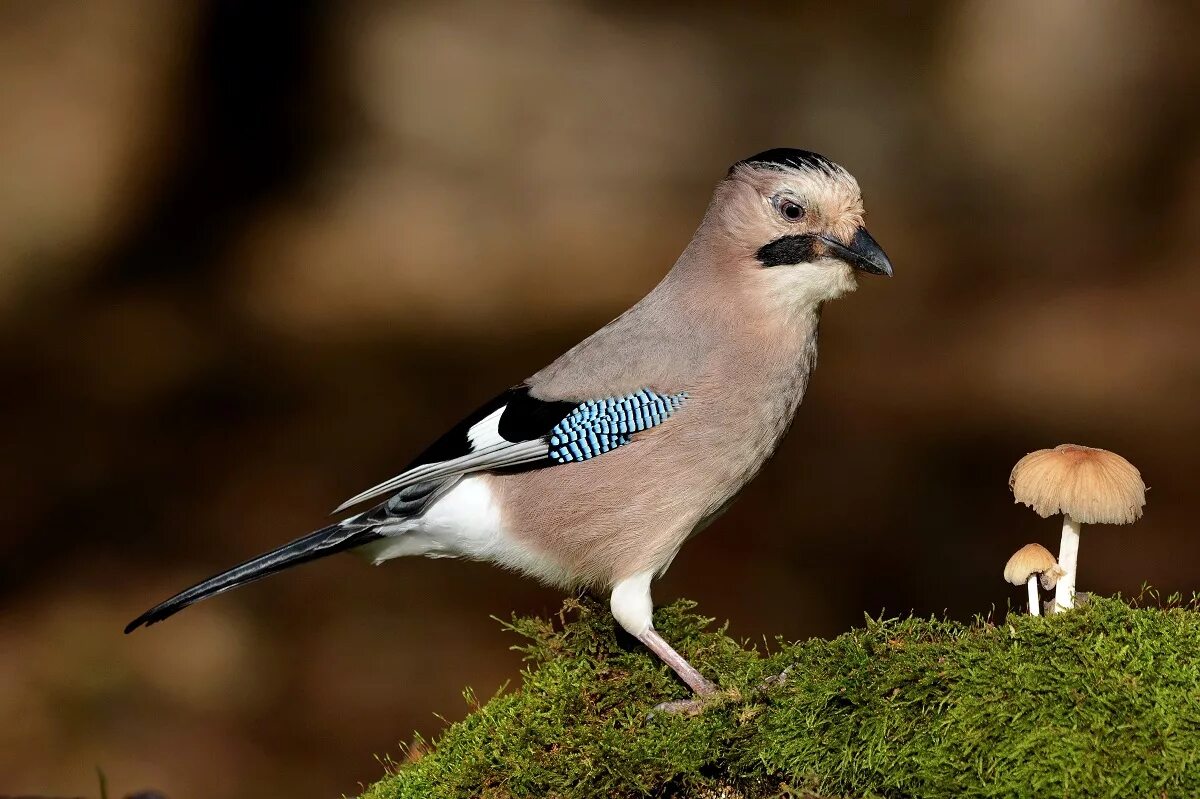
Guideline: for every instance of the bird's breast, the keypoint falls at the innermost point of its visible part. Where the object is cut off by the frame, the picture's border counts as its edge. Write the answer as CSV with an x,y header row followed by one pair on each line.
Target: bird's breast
x,y
630,509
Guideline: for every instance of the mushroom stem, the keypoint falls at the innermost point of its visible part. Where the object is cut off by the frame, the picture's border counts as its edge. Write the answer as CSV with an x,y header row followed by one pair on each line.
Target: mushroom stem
x,y
1068,561
1034,599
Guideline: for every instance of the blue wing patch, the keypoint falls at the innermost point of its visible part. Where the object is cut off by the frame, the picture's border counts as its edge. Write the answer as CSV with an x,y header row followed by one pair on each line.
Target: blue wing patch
x,y
597,426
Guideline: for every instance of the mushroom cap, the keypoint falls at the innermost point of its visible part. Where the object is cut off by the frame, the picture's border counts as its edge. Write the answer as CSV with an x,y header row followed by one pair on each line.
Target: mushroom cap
x,y
1093,486
1029,560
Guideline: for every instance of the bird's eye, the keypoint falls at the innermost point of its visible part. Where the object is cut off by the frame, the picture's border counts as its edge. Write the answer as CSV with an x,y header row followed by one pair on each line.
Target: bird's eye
x,y
791,210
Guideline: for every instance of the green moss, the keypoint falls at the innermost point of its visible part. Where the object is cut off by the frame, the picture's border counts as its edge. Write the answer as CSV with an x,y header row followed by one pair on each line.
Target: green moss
x,y
1100,702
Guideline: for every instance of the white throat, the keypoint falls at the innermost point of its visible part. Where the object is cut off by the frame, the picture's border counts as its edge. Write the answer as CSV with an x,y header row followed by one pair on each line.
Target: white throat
x,y
802,287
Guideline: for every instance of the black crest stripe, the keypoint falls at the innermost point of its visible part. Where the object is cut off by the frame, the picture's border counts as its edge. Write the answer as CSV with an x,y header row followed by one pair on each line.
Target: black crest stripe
x,y
781,157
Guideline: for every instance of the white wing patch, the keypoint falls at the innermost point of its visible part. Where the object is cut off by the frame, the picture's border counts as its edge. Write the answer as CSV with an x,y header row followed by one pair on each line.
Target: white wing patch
x,y
486,432
489,450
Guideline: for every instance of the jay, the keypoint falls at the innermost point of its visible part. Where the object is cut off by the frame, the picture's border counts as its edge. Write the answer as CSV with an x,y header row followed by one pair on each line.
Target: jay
x,y
594,471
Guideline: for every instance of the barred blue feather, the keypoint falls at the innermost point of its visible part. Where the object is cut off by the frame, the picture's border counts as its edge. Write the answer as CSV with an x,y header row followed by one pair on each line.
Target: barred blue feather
x,y
597,426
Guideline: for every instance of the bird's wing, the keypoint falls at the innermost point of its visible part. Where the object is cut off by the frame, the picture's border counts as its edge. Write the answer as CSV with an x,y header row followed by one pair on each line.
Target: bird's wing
x,y
518,429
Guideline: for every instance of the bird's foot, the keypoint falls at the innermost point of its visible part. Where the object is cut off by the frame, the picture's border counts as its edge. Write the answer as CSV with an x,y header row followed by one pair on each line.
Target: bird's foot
x,y
683,707
706,694
775,680
697,704
711,695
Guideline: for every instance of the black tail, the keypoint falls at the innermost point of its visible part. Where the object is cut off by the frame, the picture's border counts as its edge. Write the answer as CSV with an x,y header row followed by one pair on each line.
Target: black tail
x,y
325,541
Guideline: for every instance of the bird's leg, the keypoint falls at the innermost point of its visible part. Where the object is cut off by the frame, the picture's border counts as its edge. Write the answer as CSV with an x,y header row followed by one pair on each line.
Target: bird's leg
x,y
632,608
686,671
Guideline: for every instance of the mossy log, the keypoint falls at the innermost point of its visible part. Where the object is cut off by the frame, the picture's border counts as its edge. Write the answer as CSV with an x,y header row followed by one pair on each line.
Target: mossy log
x,y
1103,701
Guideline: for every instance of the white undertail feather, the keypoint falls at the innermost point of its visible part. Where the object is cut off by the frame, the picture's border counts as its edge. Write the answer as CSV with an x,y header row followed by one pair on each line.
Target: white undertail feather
x,y
465,523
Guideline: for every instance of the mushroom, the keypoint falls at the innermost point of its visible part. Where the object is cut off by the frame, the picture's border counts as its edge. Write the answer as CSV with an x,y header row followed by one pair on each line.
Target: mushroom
x,y
1085,485
1027,565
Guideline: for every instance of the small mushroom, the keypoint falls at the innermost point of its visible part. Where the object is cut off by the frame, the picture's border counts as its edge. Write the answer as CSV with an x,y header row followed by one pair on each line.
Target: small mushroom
x,y
1029,564
1085,485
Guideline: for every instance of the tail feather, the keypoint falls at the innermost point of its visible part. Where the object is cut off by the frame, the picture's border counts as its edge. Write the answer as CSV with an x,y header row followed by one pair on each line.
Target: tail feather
x,y
326,541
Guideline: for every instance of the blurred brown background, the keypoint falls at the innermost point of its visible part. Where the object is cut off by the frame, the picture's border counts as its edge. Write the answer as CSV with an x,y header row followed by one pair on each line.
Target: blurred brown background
x,y
253,257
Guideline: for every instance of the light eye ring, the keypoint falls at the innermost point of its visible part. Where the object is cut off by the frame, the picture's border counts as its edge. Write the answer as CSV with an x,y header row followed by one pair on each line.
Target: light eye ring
x,y
789,209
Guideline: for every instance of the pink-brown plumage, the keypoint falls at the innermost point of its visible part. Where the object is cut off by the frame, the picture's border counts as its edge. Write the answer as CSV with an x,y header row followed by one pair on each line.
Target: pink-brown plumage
x,y
730,333
726,331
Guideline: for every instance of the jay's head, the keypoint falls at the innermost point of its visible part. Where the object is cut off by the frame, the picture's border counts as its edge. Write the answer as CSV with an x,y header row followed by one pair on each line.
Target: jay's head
x,y
795,219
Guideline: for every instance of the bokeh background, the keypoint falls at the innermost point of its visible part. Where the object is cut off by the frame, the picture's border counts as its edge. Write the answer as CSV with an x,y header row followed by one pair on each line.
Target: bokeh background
x,y
255,256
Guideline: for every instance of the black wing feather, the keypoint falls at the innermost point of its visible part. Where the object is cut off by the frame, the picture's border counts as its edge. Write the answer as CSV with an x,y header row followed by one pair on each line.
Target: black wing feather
x,y
525,418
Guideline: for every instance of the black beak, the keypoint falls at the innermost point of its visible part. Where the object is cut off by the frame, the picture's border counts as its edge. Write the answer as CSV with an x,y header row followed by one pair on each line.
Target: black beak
x,y
863,253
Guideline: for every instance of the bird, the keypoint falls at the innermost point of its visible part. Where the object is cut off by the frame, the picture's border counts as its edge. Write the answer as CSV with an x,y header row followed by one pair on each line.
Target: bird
x,y
592,473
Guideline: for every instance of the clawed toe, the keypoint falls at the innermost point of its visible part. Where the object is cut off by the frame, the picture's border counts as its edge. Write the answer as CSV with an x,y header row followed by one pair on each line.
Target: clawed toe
x,y
683,707
775,679
697,704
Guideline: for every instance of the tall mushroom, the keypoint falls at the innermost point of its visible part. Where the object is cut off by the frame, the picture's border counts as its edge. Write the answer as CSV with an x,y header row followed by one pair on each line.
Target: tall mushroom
x,y
1085,485
1029,564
